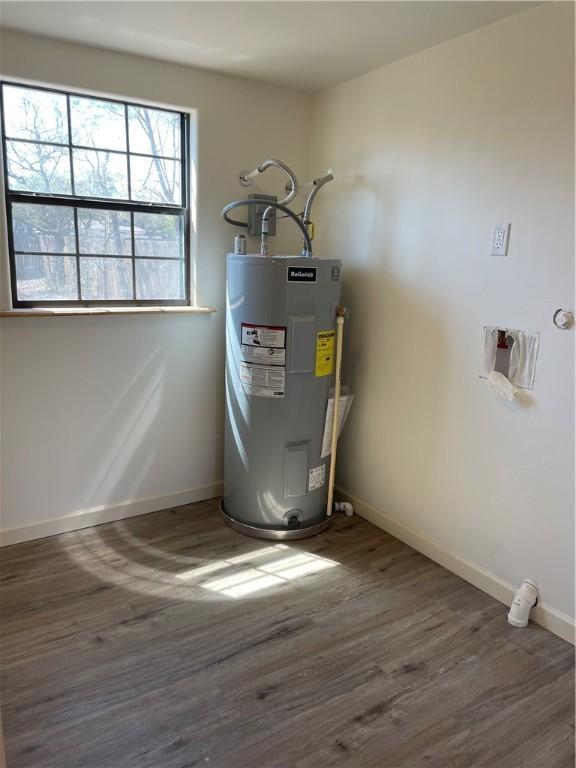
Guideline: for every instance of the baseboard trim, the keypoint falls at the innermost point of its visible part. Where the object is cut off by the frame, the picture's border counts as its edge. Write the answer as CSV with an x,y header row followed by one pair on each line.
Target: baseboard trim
x,y
548,617
107,513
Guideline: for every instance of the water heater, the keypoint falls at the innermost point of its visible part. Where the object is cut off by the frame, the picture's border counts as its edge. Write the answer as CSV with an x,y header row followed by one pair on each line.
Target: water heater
x,y
280,351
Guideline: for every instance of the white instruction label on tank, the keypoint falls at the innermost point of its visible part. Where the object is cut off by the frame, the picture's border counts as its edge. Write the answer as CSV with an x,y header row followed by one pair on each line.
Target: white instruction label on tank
x,y
262,336
316,477
262,380
263,355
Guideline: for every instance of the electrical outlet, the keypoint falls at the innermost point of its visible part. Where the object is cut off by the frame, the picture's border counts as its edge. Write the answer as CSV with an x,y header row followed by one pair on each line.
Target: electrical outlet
x,y
500,240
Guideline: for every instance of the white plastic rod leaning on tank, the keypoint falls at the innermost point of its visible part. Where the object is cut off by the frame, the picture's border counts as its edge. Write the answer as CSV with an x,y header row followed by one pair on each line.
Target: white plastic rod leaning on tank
x,y
340,313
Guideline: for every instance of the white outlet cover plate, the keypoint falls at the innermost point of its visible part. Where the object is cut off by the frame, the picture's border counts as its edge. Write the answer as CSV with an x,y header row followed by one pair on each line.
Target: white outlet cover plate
x,y
500,235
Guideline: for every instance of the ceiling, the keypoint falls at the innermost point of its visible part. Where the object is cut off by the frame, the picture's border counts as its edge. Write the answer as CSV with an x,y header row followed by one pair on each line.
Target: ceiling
x,y
305,45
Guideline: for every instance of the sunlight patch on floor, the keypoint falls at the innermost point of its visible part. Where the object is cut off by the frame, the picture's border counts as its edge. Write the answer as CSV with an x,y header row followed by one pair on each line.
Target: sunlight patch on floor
x,y
280,566
237,576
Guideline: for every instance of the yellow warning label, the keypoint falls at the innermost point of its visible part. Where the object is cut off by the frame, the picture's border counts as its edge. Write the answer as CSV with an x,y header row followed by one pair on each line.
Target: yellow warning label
x,y
324,353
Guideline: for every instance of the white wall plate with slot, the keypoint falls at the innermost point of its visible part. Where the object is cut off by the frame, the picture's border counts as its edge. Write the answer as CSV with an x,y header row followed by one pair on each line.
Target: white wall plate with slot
x,y
520,361
500,237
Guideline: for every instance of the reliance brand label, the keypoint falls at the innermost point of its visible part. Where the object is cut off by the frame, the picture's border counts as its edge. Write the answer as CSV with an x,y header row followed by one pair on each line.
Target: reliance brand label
x,y
301,274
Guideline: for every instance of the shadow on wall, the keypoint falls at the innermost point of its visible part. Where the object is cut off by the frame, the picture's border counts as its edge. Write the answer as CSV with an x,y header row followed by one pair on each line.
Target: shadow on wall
x,y
123,460
394,331
415,445
401,358
391,334
152,421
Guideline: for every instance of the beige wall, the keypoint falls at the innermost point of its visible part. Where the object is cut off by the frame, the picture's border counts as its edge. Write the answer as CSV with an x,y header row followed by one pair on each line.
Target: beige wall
x,y
429,152
96,411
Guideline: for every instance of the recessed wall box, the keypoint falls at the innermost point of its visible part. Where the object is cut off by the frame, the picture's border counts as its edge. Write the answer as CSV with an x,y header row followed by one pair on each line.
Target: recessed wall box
x,y
517,361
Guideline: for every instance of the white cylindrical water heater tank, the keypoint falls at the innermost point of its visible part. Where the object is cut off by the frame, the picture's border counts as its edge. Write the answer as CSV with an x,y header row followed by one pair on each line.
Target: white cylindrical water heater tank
x,y
280,357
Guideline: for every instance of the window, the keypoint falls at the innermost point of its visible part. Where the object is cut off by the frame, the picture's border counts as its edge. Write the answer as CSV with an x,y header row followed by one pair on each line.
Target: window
x,y
97,200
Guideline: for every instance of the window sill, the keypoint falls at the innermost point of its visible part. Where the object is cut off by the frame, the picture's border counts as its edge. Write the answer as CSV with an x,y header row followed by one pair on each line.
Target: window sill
x,y
63,311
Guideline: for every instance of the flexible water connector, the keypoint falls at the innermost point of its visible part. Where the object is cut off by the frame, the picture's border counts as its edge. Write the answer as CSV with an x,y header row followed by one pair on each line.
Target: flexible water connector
x,y
317,184
291,187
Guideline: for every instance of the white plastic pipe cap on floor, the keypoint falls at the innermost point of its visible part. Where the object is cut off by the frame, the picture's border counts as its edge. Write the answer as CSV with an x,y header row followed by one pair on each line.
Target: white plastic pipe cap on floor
x,y
524,599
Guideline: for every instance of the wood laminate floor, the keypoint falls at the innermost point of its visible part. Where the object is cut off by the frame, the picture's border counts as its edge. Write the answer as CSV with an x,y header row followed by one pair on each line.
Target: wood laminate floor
x,y
171,641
